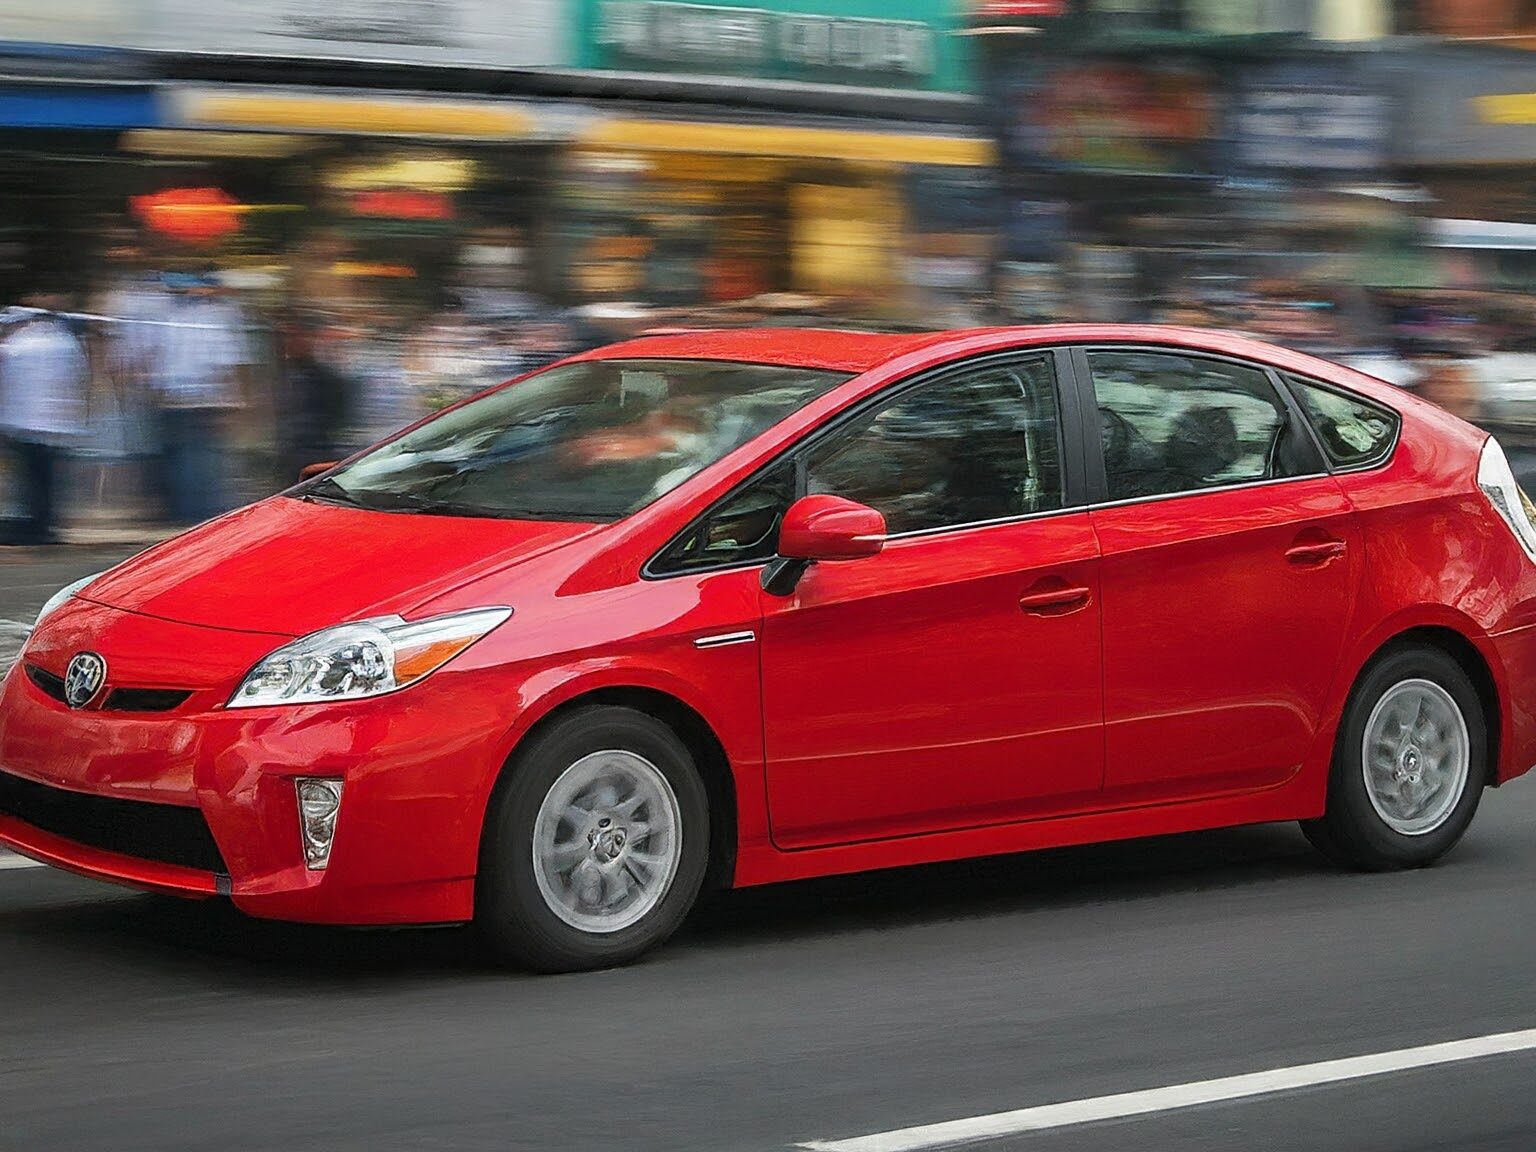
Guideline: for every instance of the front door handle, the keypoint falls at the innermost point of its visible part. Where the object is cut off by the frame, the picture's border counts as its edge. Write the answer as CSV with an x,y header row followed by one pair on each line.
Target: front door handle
x,y
1317,552
1056,599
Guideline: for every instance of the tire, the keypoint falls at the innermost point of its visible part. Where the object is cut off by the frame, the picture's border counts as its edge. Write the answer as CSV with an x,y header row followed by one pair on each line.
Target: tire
x,y
1420,804
595,844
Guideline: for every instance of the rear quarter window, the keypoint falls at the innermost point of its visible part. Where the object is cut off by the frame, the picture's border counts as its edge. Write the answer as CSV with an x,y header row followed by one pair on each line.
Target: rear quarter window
x,y
1354,432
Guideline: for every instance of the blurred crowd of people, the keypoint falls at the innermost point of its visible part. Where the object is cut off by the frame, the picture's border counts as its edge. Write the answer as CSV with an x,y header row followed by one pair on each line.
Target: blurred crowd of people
x,y
170,395
178,396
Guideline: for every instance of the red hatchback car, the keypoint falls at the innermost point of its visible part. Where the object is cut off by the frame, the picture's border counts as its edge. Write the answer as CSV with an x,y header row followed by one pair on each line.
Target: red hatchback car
x,y
739,607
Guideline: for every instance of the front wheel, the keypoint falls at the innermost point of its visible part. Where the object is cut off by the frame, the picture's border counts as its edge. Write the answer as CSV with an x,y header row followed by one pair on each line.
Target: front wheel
x,y
1408,767
595,845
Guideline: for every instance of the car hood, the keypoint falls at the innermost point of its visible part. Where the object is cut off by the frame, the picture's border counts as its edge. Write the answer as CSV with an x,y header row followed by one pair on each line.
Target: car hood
x,y
288,567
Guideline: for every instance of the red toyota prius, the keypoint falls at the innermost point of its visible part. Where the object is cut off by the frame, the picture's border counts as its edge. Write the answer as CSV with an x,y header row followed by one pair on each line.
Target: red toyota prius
x,y
738,607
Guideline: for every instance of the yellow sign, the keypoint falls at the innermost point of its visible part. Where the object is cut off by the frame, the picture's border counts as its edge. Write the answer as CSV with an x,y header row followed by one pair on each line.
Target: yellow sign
x,y
426,173
1507,108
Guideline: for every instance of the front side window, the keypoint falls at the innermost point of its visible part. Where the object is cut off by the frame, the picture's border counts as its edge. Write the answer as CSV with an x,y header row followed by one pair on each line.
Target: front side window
x,y
982,444
1354,432
591,441
1171,423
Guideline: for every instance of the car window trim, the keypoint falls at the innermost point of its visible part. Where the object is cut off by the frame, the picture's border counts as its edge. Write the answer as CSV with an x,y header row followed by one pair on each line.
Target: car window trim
x,y
1299,415
648,570
1345,394
1069,440
1093,445
923,533
1215,488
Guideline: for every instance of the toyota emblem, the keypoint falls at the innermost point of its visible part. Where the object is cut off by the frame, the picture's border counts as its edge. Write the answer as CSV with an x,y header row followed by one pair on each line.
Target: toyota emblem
x,y
86,673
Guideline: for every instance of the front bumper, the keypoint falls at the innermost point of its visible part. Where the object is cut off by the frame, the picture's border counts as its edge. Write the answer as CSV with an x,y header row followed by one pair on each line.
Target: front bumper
x,y
417,766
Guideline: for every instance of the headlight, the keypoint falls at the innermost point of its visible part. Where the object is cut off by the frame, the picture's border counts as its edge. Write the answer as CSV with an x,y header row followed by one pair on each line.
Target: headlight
x,y
59,598
369,658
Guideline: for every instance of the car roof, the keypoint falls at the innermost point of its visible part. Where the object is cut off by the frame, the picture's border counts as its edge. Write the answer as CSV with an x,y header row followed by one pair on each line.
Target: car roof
x,y
829,348
851,351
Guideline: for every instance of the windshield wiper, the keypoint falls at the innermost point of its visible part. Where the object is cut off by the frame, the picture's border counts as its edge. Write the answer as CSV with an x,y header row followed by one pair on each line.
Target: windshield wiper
x,y
431,507
326,491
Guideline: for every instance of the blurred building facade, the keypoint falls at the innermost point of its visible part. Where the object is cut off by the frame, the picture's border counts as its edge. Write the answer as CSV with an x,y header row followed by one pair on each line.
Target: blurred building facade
x,y
398,201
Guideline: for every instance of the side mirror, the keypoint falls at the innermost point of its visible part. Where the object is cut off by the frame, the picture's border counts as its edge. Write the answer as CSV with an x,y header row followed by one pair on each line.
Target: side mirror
x,y
821,528
830,528
309,471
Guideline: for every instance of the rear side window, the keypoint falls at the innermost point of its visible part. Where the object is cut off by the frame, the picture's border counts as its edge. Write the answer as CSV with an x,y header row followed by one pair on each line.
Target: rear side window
x,y
1354,432
1172,424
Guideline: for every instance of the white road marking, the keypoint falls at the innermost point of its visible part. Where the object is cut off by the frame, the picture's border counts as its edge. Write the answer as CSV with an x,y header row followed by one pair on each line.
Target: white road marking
x,y
8,862
1127,1104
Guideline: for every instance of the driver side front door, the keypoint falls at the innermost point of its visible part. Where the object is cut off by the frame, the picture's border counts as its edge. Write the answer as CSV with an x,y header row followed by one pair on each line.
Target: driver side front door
x,y
953,680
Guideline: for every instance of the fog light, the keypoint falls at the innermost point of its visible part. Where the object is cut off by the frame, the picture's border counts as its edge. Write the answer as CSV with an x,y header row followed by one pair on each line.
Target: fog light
x,y
319,802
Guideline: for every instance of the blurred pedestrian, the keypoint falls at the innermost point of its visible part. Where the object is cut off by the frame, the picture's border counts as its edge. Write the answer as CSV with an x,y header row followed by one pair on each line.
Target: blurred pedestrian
x,y
44,375
198,352
369,353
318,403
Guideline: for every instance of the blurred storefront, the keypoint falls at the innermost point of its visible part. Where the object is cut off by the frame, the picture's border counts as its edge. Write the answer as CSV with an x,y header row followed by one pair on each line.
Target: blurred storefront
x,y
372,212
709,213
817,210
777,186
392,191
62,109
355,171
1473,148
1178,161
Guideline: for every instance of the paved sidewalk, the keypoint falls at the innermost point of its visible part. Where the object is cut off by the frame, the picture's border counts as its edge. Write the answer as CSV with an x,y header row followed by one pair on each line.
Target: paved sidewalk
x,y
131,536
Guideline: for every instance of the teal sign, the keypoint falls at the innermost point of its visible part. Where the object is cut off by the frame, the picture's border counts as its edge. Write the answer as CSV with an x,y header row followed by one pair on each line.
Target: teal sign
x,y
871,43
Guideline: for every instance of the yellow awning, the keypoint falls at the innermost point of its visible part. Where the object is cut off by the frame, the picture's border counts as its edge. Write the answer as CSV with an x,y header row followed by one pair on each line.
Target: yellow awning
x,y
385,116
777,140
272,111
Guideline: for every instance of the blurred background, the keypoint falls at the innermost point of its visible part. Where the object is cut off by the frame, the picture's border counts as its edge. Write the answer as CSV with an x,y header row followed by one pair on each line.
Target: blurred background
x,y
239,238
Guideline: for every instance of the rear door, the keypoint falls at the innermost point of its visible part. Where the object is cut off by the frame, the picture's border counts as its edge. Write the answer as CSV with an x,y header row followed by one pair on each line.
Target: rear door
x,y
953,680
1229,560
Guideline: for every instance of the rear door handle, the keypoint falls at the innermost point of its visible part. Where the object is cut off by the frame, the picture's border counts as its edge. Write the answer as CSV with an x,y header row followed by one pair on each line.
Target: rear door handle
x,y
1057,600
1318,552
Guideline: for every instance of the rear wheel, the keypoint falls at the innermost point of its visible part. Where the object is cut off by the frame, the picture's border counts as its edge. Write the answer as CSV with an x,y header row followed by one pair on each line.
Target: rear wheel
x,y
1408,766
595,845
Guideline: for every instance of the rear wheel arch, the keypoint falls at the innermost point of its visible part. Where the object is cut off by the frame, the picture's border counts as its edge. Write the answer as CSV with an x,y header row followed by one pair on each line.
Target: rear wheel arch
x,y
1460,648
693,730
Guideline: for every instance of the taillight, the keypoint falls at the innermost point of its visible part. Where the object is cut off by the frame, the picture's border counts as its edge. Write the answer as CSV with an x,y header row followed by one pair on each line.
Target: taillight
x,y
1497,480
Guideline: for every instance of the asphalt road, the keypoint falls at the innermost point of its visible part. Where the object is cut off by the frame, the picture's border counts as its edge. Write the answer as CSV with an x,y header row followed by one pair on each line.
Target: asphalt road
x,y
820,1010
28,576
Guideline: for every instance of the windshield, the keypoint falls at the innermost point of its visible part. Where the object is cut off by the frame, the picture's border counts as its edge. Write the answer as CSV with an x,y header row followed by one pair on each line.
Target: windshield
x,y
592,441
